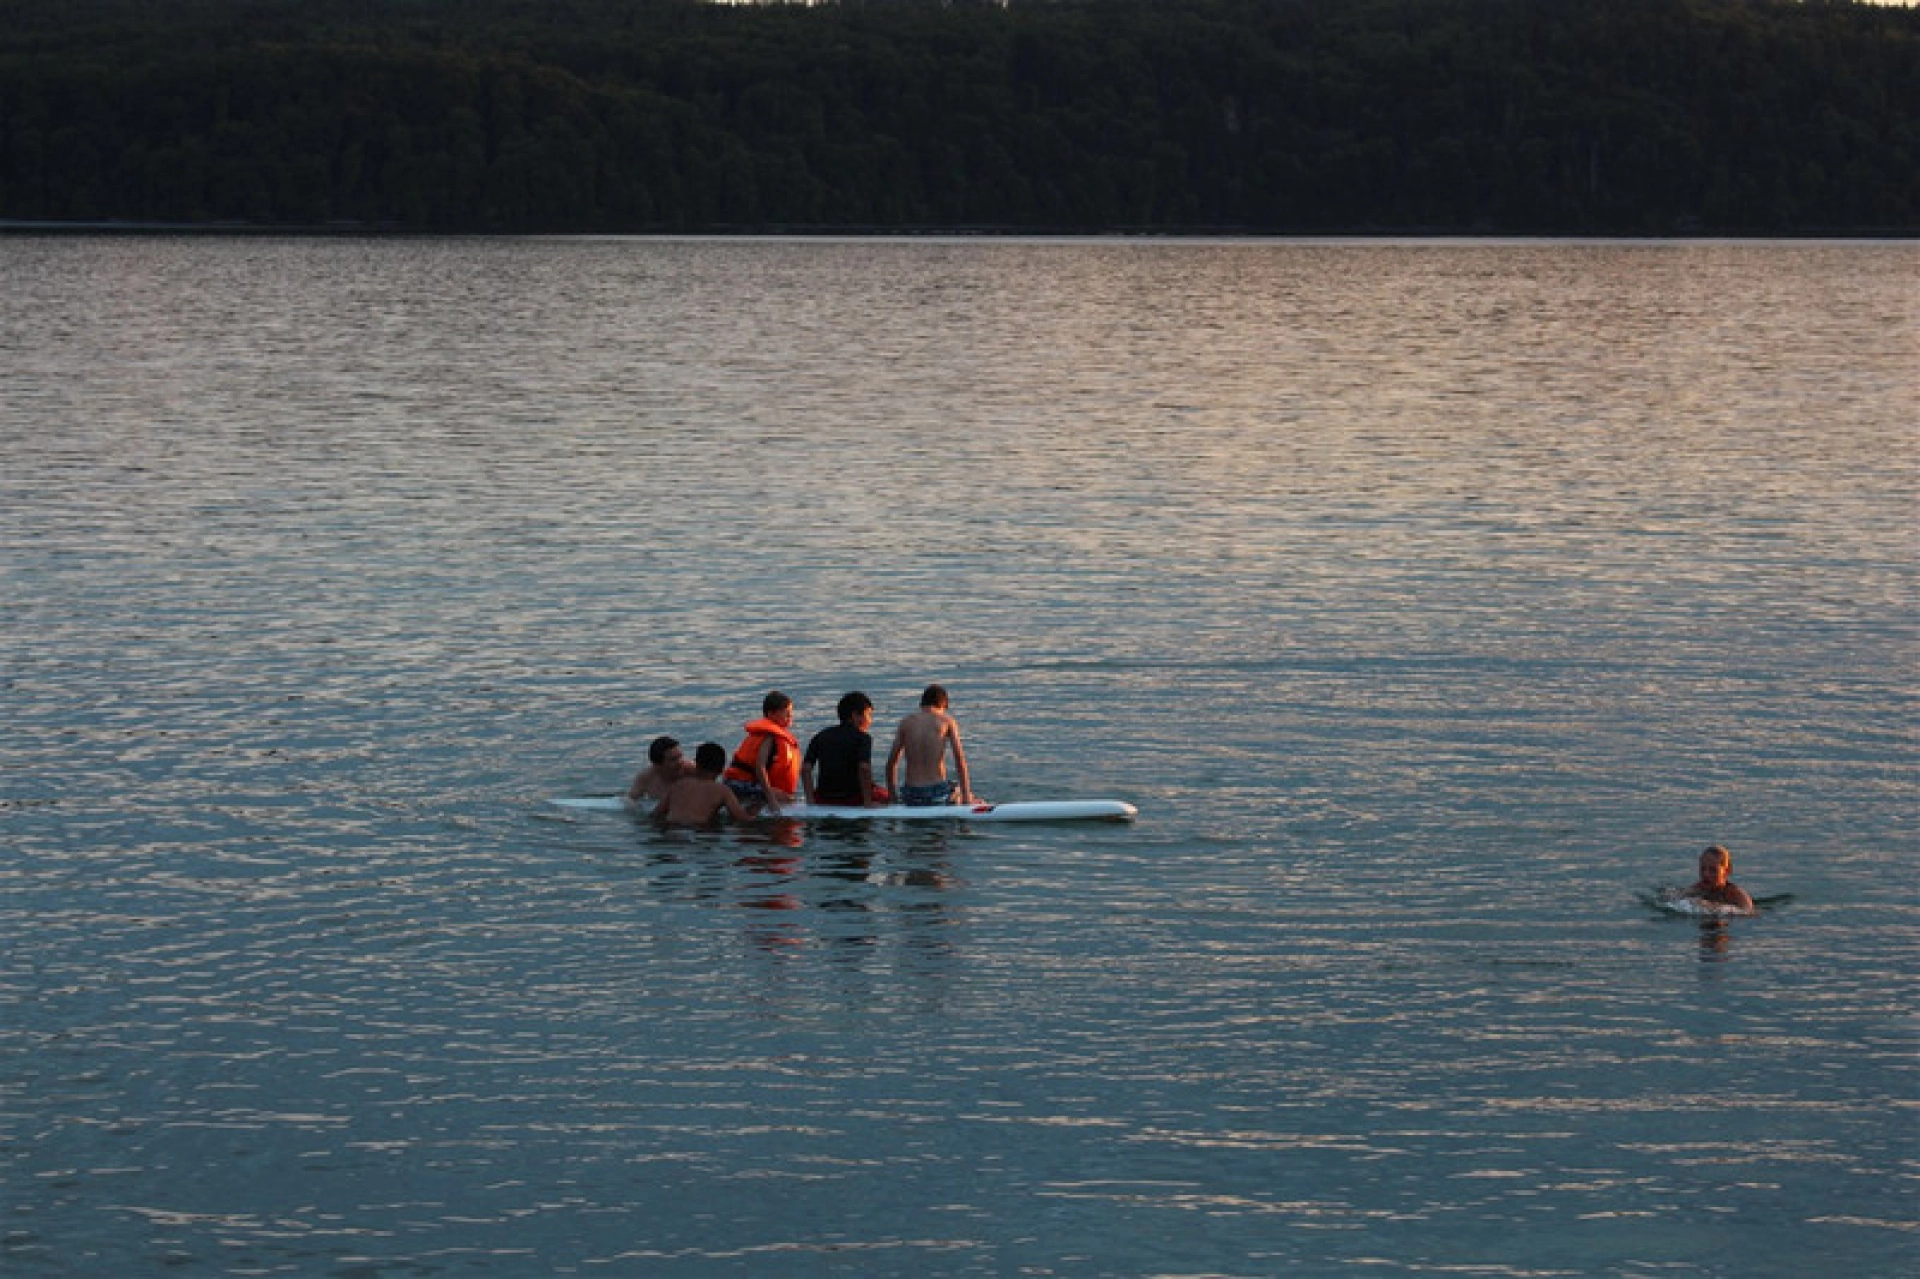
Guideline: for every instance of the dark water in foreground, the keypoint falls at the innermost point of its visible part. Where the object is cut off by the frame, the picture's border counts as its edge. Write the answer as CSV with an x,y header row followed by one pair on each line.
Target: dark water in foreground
x,y
1434,602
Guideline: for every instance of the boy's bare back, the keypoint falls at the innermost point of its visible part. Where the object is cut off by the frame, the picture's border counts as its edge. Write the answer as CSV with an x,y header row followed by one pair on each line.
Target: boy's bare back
x,y
698,801
923,740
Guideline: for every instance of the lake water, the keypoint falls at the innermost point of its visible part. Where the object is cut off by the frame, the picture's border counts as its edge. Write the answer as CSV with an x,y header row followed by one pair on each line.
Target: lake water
x,y
1435,602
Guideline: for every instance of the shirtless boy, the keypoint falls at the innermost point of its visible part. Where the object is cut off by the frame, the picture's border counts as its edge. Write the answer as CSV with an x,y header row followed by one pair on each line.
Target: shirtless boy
x,y
924,738
1714,886
700,799
666,764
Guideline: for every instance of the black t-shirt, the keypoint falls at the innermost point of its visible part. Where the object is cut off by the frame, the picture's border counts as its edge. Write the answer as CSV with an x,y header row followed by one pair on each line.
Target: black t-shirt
x,y
839,751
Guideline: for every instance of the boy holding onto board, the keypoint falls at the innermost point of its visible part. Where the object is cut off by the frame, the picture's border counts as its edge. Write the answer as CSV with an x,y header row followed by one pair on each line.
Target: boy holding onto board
x,y
699,800
765,771
666,764
924,738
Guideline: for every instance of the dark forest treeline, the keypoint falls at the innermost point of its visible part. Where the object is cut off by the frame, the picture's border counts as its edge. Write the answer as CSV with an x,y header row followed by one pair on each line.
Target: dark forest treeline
x,y
1514,116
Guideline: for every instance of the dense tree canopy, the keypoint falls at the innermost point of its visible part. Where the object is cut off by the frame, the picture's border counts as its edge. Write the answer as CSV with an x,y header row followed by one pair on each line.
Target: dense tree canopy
x,y
1514,116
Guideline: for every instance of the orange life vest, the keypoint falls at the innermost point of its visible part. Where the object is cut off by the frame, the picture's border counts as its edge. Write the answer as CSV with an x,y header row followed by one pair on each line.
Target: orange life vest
x,y
783,765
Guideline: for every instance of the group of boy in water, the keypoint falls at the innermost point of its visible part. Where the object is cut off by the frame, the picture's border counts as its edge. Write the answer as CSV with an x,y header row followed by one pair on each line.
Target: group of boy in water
x,y
769,772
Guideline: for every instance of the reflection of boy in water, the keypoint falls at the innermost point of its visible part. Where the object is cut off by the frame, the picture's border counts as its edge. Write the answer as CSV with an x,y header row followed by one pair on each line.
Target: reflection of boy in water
x,y
1714,886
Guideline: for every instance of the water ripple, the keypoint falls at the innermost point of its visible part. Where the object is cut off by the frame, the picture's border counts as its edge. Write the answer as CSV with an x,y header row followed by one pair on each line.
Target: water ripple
x,y
1432,601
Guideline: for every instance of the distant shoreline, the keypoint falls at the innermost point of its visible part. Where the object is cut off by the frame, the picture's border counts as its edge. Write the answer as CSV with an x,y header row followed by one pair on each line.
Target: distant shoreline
x,y
386,232
1179,118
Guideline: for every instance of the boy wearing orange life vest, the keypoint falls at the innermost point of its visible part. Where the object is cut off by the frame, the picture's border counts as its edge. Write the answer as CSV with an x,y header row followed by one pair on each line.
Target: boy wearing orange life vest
x,y
765,771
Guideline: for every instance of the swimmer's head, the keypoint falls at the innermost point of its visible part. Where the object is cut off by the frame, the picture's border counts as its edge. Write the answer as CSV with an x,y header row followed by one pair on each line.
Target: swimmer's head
x,y
1716,863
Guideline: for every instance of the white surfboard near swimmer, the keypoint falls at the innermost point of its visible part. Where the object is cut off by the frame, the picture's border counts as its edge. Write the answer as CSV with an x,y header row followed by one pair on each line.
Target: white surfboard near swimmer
x,y
1059,810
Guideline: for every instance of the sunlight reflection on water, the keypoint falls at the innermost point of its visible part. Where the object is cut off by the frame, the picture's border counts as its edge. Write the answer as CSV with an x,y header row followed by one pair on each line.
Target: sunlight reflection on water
x,y
1433,602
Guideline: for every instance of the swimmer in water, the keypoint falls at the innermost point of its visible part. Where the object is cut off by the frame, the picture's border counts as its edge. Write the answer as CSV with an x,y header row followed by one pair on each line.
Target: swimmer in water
x,y
666,764
700,799
1713,886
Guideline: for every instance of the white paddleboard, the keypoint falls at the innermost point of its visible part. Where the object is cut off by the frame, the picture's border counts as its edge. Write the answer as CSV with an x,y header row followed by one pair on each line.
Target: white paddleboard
x,y
1674,902
1703,910
1060,810
1054,810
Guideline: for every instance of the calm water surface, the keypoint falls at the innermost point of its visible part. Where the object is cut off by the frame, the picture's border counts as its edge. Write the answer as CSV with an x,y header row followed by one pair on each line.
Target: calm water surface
x,y
1435,602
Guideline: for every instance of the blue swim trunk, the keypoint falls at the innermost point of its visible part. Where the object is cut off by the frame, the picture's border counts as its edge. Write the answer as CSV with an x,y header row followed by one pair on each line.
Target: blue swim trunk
x,y
928,796
748,792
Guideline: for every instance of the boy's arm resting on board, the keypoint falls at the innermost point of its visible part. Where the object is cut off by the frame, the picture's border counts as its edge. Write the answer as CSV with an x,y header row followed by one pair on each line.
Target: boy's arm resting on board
x,y
1727,894
760,774
960,763
893,756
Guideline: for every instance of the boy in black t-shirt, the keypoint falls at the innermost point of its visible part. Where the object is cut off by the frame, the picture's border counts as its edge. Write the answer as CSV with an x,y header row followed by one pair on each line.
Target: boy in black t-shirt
x,y
843,756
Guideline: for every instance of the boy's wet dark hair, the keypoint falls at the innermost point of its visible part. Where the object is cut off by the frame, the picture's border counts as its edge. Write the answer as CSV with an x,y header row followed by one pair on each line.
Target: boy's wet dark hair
x,y
657,752
774,702
711,757
934,696
852,704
